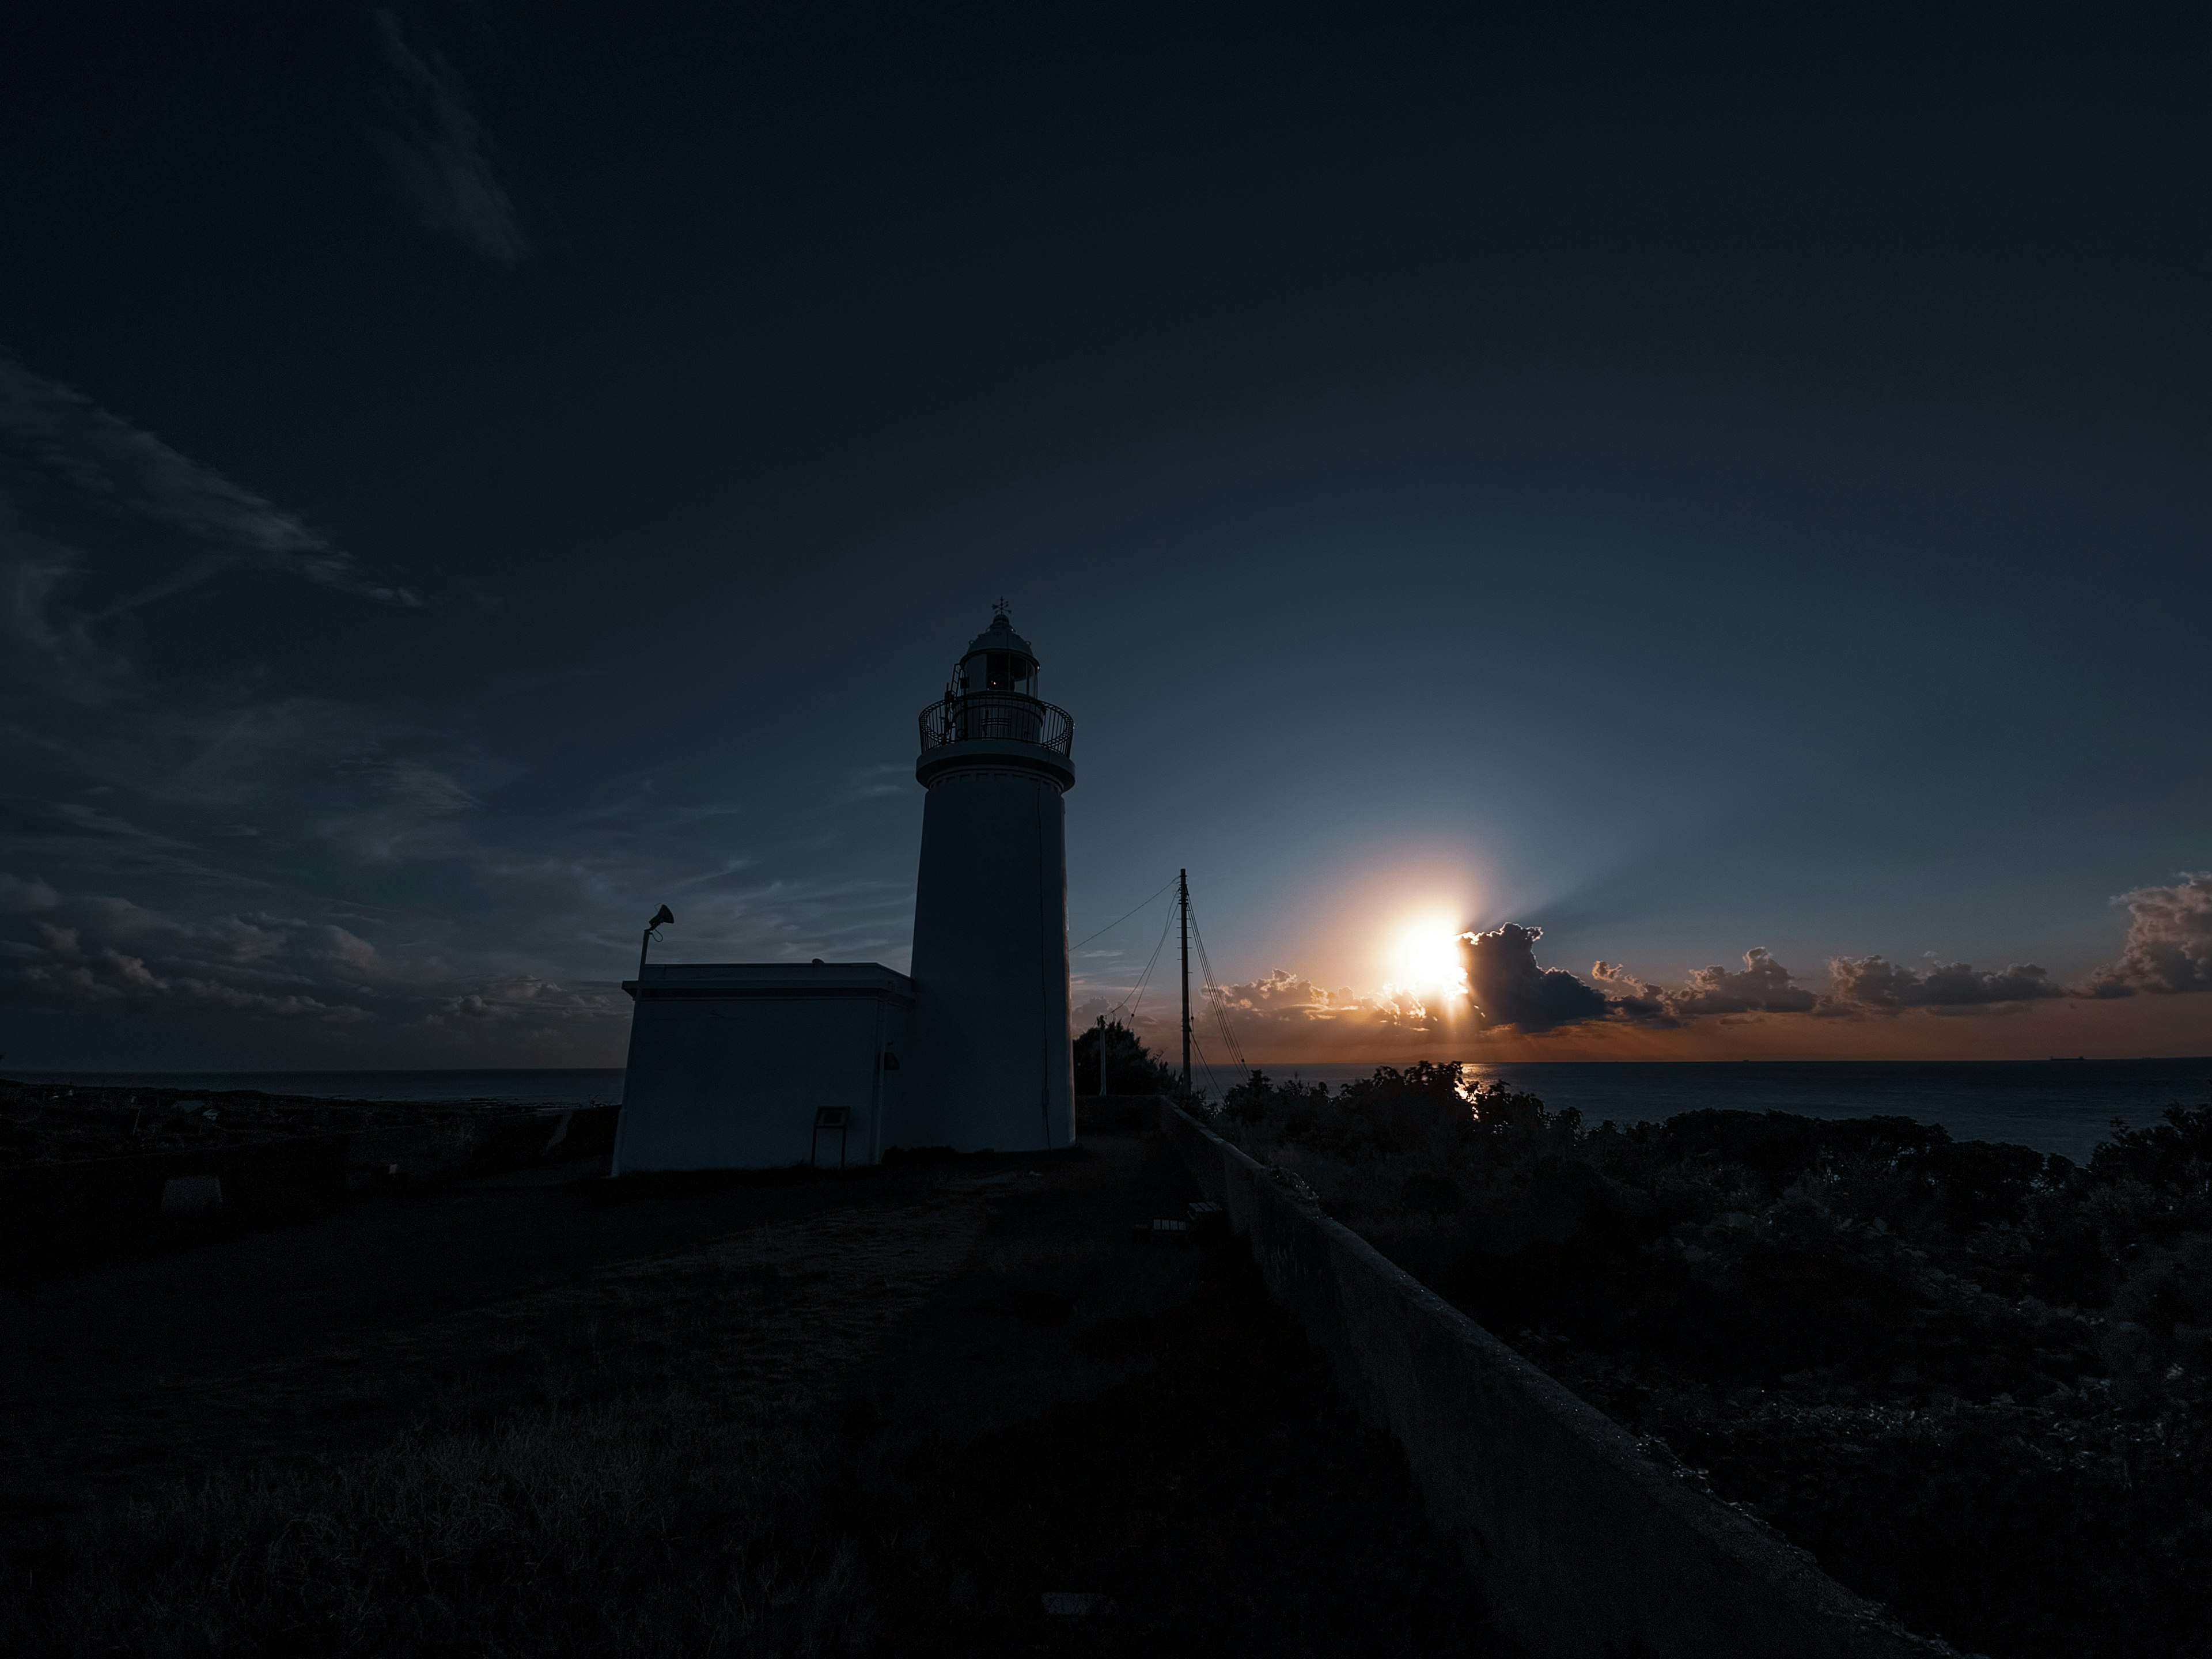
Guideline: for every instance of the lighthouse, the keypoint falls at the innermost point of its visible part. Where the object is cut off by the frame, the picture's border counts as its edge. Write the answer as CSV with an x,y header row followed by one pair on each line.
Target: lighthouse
x,y
992,1066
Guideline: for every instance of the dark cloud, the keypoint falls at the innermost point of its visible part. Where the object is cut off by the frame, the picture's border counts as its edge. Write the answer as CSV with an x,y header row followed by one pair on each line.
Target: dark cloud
x,y
1877,986
247,970
18,894
1631,998
1508,989
2169,947
1761,986
2168,952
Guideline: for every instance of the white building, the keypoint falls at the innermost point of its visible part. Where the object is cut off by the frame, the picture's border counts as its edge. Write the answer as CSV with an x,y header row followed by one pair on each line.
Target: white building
x,y
768,1065
760,1066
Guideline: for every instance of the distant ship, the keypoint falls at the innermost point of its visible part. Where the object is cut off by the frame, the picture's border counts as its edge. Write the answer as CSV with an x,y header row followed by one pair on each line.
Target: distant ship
x,y
2068,1060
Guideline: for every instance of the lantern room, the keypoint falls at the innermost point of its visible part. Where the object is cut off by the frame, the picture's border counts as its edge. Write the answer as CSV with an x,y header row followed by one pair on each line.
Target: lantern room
x,y
998,659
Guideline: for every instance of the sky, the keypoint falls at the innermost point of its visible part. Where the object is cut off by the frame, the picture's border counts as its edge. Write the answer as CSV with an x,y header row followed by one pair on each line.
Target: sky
x,y
1606,533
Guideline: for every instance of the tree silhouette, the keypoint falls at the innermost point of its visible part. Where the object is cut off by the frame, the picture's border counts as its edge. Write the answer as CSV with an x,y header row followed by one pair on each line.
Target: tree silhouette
x,y
1131,1068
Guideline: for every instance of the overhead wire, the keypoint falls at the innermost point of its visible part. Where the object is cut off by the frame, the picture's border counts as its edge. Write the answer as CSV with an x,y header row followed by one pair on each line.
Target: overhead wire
x,y
1111,926
1137,991
1212,1082
1217,999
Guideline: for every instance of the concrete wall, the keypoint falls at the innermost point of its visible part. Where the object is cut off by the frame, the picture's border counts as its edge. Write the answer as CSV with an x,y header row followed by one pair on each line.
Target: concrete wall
x,y
1586,1547
993,1063
730,1070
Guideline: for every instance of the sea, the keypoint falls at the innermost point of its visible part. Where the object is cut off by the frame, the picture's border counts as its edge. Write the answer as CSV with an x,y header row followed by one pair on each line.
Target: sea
x,y
2054,1106
2064,1106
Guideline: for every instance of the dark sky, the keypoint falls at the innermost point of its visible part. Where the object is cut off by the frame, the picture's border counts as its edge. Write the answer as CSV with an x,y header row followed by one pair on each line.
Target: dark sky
x,y
1689,481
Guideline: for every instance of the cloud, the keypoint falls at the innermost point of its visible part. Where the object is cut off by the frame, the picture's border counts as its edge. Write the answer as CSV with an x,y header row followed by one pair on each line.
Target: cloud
x,y
1762,986
62,447
2169,946
1508,989
88,838
1284,1013
73,476
49,644
2168,952
240,787
249,971
18,894
437,148
1877,986
1858,985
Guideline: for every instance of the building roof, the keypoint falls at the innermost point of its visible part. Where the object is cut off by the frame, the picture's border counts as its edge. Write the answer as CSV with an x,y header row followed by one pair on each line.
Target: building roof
x,y
1000,636
771,978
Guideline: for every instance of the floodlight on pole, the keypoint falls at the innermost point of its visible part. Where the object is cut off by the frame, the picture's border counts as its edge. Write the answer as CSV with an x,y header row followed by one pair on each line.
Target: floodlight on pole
x,y
661,918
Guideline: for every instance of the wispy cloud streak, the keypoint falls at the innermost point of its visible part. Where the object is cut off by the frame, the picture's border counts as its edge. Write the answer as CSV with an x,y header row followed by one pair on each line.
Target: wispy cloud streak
x,y
59,447
437,148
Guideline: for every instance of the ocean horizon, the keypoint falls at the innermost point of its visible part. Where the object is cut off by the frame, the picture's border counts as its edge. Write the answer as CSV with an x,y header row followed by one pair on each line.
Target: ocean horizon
x,y
569,1085
2055,1106
2064,1106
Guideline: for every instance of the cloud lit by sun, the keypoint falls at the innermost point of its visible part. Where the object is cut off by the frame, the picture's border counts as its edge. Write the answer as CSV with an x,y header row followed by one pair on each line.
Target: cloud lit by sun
x,y
1425,958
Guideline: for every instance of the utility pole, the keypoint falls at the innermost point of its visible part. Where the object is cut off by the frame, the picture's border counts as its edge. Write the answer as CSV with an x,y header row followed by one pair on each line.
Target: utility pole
x,y
1183,899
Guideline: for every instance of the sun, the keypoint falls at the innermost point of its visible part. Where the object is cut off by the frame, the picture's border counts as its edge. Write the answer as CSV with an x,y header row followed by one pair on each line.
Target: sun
x,y
1426,957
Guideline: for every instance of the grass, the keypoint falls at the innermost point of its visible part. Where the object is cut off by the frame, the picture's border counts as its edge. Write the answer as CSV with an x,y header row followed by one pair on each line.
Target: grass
x,y
663,1526
629,1464
715,1453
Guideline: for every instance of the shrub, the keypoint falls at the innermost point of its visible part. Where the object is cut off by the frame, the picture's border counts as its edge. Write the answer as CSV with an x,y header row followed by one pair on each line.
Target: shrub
x,y
1897,1348
1131,1067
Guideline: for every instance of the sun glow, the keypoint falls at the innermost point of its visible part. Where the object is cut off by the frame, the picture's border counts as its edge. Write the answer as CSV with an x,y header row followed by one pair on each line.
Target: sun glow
x,y
1426,958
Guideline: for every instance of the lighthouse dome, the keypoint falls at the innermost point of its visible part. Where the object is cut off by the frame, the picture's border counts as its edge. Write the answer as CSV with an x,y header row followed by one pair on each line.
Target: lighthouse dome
x,y
1000,636
999,660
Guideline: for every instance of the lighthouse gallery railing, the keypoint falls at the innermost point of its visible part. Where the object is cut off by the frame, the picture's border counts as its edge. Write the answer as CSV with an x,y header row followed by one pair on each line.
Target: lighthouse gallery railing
x,y
1005,715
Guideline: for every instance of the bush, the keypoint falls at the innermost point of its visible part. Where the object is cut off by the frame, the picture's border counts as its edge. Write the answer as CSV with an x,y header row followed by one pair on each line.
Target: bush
x,y
1131,1068
1972,1378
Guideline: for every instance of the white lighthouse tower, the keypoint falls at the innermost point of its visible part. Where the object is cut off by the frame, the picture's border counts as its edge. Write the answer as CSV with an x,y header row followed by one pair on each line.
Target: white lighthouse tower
x,y
991,1061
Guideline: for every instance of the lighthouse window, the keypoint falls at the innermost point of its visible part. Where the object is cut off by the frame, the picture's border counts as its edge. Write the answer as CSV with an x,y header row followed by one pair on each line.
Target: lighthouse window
x,y
1003,670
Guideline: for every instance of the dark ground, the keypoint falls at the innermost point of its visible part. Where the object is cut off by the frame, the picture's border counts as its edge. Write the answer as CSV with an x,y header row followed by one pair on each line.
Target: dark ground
x,y
886,1413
